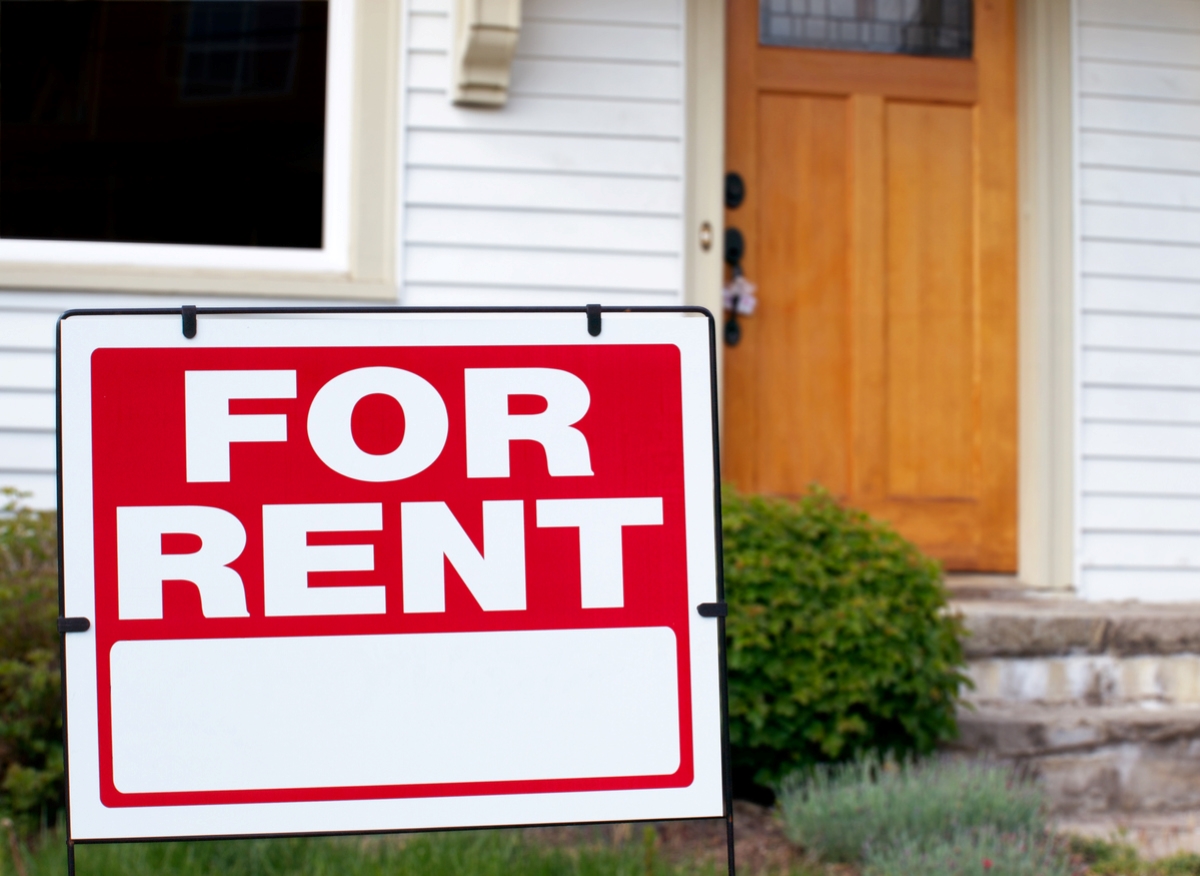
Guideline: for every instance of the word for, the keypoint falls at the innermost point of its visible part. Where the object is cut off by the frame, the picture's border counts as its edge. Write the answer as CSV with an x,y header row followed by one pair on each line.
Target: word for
x,y
211,428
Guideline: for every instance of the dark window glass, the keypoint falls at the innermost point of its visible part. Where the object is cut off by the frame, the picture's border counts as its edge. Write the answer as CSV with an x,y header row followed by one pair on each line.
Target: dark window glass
x,y
146,121
937,28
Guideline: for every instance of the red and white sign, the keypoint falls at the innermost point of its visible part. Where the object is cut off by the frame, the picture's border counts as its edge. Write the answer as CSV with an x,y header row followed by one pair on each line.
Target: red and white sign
x,y
368,572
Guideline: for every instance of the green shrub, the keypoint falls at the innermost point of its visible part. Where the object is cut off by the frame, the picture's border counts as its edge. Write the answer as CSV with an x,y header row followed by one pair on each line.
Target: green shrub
x,y
970,853
838,639
837,812
30,684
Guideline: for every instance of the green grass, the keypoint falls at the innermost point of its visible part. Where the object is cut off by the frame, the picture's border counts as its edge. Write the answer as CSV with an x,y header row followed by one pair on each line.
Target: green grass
x,y
477,853
1116,858
837,812
1105,858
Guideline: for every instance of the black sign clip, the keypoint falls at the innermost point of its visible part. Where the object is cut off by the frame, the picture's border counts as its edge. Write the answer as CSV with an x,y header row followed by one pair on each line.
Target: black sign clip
x,y
593,315
713,609
74,624
189,321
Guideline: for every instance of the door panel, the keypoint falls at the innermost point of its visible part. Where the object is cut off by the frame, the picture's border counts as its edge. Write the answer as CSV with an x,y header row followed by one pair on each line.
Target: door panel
x,y
880,226
802,156
930,302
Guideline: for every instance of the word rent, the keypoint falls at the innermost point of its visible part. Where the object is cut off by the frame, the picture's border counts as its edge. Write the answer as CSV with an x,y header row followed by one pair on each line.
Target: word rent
x,y
429,532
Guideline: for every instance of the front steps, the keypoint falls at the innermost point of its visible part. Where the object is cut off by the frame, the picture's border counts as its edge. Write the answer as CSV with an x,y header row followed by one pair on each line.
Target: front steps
x,y
1101,700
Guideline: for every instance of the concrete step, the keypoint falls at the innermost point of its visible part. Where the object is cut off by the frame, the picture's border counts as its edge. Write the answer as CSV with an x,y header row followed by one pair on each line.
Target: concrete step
x,y
1150,680
1101,700
1052,627
1095,761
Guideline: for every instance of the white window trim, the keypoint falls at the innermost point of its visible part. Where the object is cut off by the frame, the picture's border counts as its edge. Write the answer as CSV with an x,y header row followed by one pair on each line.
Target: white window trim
x,y
363,40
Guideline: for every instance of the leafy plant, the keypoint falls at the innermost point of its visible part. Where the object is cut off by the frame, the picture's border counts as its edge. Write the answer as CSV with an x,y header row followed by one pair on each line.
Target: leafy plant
x,y
839,642
837,812
30,684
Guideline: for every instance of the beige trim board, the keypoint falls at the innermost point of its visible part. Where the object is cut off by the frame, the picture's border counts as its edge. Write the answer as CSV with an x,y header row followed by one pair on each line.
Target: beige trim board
x,y
1046,264
705,160
376,158
173,282
372,239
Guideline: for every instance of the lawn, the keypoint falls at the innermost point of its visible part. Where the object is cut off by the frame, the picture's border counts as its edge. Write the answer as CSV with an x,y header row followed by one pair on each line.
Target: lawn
x,y
853,829
480,853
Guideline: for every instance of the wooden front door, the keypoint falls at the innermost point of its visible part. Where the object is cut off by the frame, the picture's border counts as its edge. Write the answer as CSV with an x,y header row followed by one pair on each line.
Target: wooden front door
x,y
880,229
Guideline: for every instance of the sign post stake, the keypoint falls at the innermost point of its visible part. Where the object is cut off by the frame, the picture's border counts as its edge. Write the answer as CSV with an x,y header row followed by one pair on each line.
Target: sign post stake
x,y
723,610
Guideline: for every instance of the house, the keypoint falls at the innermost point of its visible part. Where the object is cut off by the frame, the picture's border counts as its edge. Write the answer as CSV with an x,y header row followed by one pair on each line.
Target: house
x,y
974,228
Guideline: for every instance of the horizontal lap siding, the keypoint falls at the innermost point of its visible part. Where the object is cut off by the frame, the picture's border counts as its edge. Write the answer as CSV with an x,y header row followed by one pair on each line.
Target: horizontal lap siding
x,y
1139,221
571,193
27,454
27,408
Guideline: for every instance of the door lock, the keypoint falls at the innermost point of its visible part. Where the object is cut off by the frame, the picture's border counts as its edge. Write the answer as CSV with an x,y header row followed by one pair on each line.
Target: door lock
x,y
739,292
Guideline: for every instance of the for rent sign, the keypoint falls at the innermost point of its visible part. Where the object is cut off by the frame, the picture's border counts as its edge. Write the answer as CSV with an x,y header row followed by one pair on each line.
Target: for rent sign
x,y
367,572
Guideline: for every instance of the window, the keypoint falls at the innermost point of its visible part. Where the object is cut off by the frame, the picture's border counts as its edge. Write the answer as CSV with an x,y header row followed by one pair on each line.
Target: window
x,y
197,134
245,49
936,28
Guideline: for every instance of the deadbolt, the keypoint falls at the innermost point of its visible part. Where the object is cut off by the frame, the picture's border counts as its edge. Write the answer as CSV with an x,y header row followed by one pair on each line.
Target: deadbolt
x,y
735,190
735,249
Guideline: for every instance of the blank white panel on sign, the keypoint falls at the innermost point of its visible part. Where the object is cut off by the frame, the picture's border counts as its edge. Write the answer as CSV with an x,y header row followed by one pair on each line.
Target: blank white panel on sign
x,y
344,711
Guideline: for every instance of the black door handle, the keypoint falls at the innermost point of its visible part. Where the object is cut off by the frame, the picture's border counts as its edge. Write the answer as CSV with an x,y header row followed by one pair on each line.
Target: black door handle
x,y
735,251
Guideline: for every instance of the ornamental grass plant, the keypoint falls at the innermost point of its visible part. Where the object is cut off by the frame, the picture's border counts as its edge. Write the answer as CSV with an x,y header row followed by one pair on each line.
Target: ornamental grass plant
x,y
938,818
838,812
983,852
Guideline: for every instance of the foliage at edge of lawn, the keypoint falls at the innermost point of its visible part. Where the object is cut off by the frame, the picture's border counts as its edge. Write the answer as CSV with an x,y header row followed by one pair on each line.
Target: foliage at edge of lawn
x,y
1116,857
31,756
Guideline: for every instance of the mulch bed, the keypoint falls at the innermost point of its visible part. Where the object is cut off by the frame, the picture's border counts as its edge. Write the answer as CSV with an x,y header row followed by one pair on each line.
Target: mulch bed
x,y
760,843
762,848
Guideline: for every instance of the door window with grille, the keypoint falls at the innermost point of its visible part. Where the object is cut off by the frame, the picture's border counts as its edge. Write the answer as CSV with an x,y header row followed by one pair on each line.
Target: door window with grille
x,y
933,28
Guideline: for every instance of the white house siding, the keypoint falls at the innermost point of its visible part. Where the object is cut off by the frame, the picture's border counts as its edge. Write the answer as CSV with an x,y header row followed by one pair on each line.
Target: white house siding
x,y
1138,143
573,192
27,394
27,418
